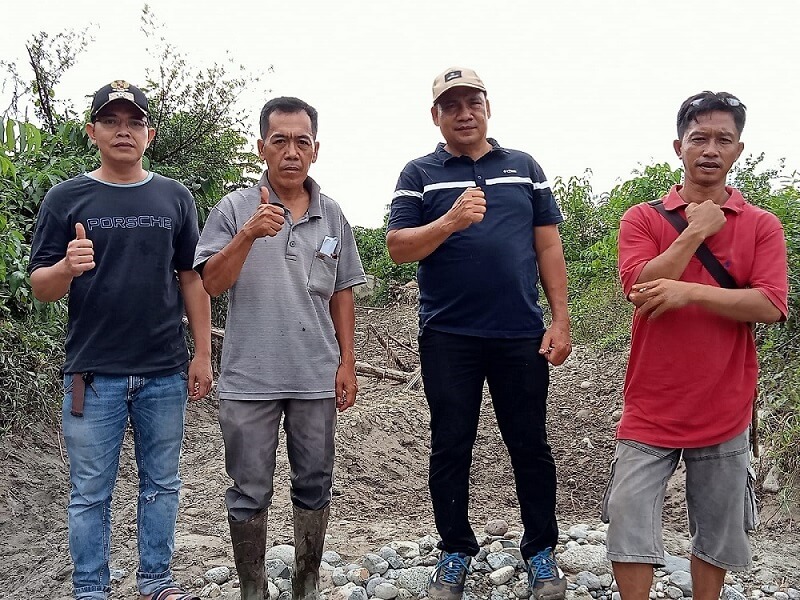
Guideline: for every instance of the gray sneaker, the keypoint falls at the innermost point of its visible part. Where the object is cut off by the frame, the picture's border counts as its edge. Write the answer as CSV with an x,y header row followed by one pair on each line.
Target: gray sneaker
x,y
447,580
545,579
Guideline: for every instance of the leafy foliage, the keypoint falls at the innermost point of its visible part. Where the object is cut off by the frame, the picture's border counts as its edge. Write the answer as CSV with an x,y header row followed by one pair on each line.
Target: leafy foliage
x,y
31,162
200,138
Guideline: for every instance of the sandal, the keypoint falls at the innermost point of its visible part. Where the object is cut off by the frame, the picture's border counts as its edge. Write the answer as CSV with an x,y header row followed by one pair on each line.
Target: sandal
x,y
170,594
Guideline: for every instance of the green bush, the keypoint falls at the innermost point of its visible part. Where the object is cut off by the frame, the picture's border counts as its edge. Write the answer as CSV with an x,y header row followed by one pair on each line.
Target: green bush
x,y
31,356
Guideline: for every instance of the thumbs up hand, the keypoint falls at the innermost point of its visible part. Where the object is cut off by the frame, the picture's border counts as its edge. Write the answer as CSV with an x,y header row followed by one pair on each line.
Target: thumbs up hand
x,y
267,220
80,253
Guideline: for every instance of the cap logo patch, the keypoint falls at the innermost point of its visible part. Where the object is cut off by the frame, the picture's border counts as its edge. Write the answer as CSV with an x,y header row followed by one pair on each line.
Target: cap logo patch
x,y
121,95
452,75
120,84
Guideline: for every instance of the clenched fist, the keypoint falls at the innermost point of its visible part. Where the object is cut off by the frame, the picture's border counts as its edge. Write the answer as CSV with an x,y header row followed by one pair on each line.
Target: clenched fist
x,y
469,208
706,217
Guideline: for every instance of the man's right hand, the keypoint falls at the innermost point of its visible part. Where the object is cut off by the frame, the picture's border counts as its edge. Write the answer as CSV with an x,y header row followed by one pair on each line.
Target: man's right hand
x,y
469,208
706,218
80,253
267,220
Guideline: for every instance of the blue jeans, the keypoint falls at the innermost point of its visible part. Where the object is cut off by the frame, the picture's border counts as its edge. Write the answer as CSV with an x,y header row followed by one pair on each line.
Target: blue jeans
x,y
156,408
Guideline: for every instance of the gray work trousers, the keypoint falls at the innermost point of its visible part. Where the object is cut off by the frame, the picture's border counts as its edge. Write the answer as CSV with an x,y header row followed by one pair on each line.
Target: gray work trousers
x,y
250,431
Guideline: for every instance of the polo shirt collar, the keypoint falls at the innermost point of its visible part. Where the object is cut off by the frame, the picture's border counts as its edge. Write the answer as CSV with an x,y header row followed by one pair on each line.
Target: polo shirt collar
x,y
735,202
315,203
445,156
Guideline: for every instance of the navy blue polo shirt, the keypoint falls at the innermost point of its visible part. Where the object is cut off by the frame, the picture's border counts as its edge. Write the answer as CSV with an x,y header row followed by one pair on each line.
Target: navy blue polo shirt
x,y
481,281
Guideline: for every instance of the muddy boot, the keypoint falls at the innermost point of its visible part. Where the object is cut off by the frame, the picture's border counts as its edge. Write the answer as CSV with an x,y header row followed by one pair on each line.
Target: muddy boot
x,y
309,538
249,539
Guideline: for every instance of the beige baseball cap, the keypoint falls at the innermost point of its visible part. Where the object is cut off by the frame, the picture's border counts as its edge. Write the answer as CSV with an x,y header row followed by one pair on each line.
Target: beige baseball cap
x,y
455,77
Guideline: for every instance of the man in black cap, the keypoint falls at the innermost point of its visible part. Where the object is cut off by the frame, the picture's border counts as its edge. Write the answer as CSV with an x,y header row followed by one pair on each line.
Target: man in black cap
x,y
121,240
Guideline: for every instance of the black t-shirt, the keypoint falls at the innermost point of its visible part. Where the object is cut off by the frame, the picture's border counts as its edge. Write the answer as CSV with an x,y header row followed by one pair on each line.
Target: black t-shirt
x,y
125,314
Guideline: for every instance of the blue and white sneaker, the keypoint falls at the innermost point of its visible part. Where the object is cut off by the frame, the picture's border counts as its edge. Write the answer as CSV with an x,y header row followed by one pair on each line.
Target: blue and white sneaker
x,y
545,579
447,580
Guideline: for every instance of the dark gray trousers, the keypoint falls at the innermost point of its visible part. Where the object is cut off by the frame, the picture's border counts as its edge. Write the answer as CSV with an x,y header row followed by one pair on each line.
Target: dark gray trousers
x,y
250,431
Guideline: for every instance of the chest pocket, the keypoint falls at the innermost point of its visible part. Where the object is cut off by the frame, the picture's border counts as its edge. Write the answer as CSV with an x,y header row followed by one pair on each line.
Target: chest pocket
x,y
322,277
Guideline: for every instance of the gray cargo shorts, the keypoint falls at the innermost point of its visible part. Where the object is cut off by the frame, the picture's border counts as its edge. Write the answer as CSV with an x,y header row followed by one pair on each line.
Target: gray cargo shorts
x,y
719,496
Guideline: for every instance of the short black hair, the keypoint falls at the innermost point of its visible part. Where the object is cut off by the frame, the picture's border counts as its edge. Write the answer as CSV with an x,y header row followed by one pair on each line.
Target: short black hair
x,y
706,102
287,104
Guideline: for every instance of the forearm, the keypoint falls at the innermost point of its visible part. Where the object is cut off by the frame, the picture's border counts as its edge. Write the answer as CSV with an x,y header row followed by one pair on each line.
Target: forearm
x,y
222,270
198,311
553,275
673,261
51,283
415,243
746,305
343,314
552,270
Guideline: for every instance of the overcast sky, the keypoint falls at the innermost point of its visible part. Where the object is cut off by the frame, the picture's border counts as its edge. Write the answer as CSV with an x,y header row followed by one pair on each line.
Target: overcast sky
x,y
576,83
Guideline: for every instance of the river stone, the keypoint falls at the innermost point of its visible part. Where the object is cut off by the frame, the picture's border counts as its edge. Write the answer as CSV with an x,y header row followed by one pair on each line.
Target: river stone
x,y
501,575
405,549
415,579
683,581
496,527
218,575
375,564
585,558
675,563
588,579
386,591
674,592
282,552
273,591
729,593
501,559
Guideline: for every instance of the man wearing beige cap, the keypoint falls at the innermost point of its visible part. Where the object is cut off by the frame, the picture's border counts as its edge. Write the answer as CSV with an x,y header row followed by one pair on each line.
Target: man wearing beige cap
x,y
483,224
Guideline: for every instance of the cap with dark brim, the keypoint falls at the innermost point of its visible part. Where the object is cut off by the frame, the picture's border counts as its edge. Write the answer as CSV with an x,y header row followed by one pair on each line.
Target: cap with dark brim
x,y
456,77
119,90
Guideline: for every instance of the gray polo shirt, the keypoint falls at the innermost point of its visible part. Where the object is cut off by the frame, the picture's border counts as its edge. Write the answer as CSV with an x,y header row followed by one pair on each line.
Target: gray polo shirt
x,y
279,335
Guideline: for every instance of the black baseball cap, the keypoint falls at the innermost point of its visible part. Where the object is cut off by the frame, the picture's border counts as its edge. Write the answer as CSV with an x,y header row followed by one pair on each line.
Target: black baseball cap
x,y
118,90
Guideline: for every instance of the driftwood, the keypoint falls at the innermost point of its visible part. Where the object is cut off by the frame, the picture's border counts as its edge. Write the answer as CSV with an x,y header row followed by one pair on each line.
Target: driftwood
x,y
363,368
391,355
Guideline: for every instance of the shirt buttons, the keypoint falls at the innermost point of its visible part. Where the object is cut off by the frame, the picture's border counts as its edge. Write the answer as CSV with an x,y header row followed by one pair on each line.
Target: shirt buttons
x,y
291,244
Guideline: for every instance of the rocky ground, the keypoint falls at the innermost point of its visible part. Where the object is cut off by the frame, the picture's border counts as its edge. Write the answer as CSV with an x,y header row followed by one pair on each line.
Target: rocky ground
x,y
380,494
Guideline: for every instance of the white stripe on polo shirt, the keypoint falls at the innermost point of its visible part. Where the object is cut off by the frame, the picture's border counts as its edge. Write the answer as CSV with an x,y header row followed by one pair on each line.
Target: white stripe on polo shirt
x,y
538,185
412,193
445,185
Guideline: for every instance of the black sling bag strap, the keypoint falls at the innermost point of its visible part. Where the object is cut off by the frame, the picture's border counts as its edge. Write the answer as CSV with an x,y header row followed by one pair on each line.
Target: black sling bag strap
x,y
704,255
724,279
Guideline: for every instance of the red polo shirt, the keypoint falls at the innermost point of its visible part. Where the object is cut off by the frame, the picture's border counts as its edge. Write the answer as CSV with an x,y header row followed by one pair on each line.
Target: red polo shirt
x,y
692,373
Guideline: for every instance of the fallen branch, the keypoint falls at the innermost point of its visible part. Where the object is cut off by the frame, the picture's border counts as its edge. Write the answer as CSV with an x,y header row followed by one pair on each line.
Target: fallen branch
x,y
413,381
390,354
363,368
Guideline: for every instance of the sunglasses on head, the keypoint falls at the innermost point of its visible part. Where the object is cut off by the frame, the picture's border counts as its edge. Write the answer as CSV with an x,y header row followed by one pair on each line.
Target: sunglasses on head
x,y
729,100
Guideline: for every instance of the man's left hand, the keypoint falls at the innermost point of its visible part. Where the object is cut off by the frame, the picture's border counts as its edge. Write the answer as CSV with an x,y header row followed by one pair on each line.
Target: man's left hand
x,y
346,386
654,298
200,378
556,344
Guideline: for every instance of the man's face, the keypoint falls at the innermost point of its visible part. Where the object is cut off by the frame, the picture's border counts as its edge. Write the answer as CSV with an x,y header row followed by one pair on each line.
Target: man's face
x,y
121,133
462,115
709,147
288,148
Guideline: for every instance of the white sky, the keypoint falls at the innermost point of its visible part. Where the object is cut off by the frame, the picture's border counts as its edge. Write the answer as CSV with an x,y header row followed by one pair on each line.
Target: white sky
x,y
576,83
